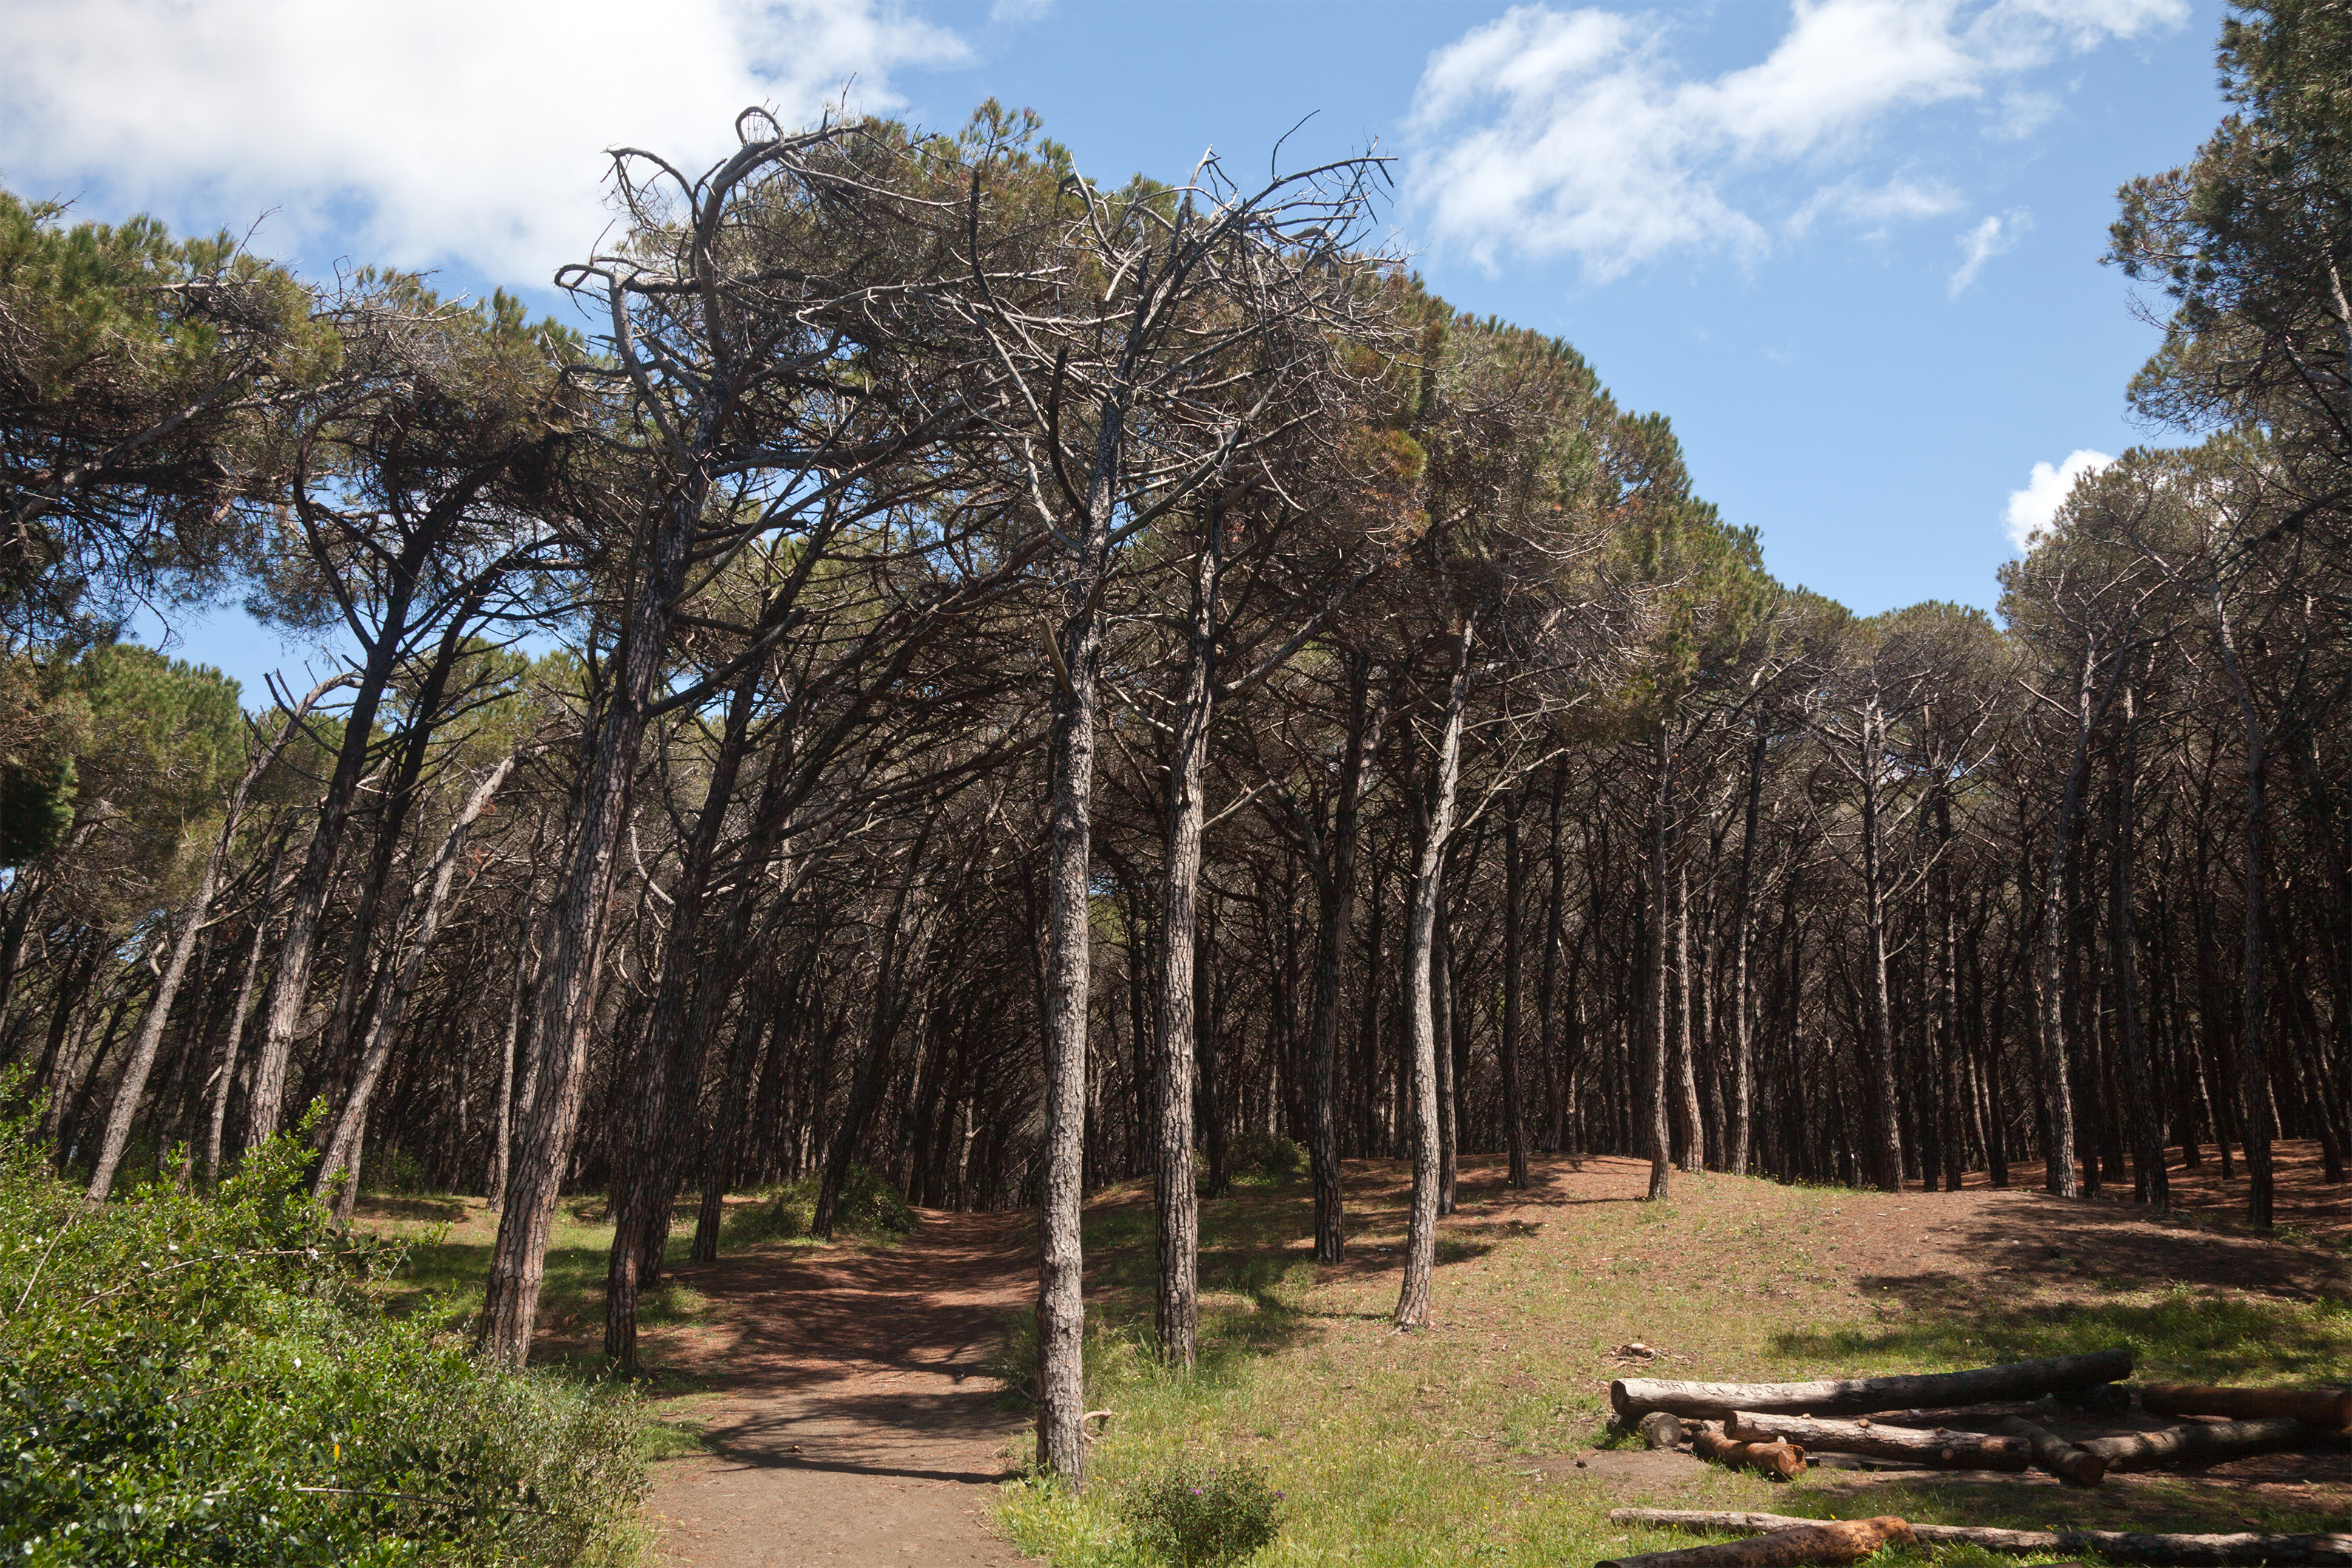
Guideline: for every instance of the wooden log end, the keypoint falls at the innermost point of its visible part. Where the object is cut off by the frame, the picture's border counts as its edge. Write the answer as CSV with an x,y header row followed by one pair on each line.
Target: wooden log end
x,y
1659,1429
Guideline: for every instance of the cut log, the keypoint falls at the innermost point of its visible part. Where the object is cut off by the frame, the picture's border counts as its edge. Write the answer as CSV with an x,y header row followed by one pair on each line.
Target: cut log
x,y
2238,1550
1783,1460
1940,1449
1659,1429
2197,1444
1799,1544
2055,1454
2320,1407
1862,1396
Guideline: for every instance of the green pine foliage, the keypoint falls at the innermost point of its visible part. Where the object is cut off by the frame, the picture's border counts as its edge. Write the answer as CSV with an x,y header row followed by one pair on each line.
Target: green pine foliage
x,y
193,1381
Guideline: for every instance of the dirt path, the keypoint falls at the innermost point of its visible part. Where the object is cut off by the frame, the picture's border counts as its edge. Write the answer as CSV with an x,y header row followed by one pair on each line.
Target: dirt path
x,y
851,1423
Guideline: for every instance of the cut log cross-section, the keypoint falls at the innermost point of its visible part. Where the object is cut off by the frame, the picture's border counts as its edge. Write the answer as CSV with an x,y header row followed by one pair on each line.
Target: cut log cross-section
x,y
1799,1544
2320,1407
2055,1454
2234,1551
1938,1449
1632,1397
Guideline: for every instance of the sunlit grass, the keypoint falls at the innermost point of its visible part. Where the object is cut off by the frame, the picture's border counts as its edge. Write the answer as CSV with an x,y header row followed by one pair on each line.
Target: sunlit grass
x,y
1456,1445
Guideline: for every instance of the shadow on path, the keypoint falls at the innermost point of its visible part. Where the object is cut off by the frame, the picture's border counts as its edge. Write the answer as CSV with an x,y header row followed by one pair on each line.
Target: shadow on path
x,y
850,1419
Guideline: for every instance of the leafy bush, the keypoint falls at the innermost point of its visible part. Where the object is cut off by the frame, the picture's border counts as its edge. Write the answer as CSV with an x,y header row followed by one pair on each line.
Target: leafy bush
x,y
1268,1159
192,1381
868,1207
1203,1515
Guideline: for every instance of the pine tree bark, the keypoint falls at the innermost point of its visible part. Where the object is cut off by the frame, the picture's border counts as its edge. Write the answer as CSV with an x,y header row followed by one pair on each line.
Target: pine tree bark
x,y
289,987
1659,1132
1335,887
1514,1122
1176,1200
2253,1059
1743,1008
342,1151
1435,823
1884,1113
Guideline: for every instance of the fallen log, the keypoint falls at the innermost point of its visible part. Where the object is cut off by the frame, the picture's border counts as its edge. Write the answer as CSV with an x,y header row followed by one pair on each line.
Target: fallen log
x,y
2320,1407
2197,1444
1938,1449
2237,1550
1862,1396
1799,1544
2055,1454
1786,1460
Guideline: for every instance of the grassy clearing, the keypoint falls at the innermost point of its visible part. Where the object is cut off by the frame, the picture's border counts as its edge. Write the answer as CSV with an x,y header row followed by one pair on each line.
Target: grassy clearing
x,y
1457,1445
447,1240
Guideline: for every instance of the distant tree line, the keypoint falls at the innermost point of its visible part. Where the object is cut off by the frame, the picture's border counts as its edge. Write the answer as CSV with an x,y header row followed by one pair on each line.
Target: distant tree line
x,y
1019,684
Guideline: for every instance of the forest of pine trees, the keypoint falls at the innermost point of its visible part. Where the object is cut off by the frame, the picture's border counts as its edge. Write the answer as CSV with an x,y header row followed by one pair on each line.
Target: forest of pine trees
x,y
1017,684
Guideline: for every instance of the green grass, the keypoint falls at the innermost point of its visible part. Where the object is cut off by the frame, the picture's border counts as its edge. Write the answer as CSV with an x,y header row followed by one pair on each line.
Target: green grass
x,y
449,1242
1416,1448
448,1238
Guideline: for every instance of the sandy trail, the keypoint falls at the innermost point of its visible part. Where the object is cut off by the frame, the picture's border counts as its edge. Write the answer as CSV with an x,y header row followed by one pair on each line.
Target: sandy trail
x,y
852,1423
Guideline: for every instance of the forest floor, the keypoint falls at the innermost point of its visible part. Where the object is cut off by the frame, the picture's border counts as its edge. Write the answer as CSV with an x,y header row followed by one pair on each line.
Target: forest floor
x,y
833,1405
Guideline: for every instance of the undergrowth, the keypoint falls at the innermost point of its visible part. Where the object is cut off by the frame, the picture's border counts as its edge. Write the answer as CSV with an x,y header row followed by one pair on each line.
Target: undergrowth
x,y
213,1381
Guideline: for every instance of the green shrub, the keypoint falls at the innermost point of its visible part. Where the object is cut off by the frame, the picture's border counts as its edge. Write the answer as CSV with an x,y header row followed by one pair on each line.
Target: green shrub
x,y
1268,1159
1203,1515
868,1207
193,1381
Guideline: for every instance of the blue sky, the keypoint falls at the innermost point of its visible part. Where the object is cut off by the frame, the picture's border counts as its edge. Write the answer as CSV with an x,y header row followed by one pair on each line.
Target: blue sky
x,y
1850,246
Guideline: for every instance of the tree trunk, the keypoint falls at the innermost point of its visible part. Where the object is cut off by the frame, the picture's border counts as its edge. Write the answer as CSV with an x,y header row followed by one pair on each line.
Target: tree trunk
x,y
1938,1449
2253,1062
289,987
2246,1550
1797,1545
638,1183
342,1154
132,1084
1335,887
1436,825
719,1161
2203,1443
1076,652
1654,1022
1633,1397
1176,1203
2149,1181
1884,1118
1444,1022
1686,1065
1515,1122
571,966
1743,1049
2058,1149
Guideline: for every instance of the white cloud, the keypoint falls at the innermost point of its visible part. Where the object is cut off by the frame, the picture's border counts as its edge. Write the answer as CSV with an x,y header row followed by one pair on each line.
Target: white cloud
x,y
1549,133
2046,488
431,131
1874,207
1994,236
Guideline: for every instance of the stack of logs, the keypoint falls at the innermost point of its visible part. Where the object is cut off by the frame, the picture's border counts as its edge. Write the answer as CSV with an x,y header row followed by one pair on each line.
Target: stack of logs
x,y
1937,1421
